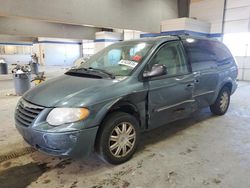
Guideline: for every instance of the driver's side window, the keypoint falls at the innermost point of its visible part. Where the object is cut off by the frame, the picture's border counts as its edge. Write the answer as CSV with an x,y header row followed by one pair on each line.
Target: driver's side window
x,y
171,56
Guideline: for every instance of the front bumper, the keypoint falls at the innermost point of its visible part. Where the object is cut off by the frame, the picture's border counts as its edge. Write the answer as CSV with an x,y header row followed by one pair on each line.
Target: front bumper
x,y
70,144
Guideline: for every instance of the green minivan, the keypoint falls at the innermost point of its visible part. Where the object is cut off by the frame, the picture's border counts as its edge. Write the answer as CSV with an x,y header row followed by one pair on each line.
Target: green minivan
x,y
129,87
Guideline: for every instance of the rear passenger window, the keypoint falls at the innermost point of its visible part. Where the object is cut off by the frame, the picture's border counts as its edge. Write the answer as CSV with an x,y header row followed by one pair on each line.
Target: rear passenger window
x,y
199,51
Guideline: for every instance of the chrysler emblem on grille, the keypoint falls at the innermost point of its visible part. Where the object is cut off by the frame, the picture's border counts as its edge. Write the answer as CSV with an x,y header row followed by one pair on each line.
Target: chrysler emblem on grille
x,y
25,104
29,105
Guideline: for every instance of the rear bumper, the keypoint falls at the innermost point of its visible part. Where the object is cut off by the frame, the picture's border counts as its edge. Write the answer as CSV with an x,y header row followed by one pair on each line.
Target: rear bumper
x,y
70,144
234,86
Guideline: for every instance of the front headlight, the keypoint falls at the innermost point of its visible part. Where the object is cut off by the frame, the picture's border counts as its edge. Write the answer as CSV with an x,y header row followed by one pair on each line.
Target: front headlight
x,y
59,116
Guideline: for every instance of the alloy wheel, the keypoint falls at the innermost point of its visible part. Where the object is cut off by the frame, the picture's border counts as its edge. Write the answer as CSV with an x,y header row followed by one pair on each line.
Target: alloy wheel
x,y
122,139
224,101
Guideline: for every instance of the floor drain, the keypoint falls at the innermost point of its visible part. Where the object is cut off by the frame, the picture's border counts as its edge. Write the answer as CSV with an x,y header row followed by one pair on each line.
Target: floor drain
x,y
16,154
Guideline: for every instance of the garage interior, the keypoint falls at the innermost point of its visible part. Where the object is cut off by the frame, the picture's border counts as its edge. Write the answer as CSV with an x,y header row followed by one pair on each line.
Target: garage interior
x,y
201,151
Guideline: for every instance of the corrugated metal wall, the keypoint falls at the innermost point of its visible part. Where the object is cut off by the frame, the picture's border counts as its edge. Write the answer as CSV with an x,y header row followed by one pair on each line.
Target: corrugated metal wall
x,y
237,16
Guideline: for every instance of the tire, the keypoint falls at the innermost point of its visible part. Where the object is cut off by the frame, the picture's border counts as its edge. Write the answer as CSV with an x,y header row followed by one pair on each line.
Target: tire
x,y
222,102
121,147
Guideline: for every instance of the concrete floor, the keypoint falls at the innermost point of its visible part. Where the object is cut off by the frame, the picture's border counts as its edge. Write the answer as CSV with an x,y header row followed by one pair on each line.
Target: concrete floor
x,y
7,84
201,151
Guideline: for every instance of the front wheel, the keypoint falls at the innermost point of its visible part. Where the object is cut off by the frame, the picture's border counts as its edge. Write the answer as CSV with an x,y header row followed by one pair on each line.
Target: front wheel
x,y
222,102
117,138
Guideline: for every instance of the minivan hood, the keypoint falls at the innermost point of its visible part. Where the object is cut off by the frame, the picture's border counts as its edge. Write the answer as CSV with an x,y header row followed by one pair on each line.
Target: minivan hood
x,y
62,88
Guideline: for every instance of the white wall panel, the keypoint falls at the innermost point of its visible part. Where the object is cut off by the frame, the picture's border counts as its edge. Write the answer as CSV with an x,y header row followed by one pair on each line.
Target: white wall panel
x,y
240,63
216,27
244,68
16,59
61,54
242,13
209,10
108,35
237,16
247,63
246,75
185,24
237,3
130,34
236,26
203,9
237,20
240,74
101,45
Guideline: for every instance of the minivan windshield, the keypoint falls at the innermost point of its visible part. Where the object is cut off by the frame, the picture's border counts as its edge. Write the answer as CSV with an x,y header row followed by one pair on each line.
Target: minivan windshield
x,y
117,60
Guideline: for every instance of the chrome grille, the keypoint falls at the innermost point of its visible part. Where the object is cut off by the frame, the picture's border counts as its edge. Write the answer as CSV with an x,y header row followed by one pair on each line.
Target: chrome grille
x,y
26,112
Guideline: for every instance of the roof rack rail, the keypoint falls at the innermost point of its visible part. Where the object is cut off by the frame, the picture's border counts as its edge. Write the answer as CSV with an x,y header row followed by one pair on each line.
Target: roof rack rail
x,y
179,36
176,36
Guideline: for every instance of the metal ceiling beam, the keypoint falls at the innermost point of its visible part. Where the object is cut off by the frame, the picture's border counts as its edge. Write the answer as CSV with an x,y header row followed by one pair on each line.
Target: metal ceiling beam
x,y
10,38
183,8
36,28
142,15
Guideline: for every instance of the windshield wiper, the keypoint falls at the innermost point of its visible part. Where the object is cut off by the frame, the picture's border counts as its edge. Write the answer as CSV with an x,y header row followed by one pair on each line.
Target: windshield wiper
x,y
91,71
102,71
78,69
83,72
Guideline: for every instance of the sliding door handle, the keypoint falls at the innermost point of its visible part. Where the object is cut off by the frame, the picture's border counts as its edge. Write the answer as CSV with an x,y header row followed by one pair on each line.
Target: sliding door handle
x,y
197,74
191,85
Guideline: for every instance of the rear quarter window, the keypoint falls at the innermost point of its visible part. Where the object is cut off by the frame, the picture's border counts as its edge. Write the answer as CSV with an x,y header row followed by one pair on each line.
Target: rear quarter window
x,y
222,53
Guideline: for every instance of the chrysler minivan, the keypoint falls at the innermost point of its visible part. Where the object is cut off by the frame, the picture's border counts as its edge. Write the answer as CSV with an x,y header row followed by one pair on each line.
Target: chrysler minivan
x,y
129,87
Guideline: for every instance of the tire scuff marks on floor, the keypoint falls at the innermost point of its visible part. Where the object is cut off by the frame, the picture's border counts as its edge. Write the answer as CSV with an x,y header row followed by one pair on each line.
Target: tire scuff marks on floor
x,y
16,154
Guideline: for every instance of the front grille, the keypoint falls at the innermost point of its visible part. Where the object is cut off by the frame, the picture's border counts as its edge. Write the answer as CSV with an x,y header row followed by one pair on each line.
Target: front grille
x,y
27,112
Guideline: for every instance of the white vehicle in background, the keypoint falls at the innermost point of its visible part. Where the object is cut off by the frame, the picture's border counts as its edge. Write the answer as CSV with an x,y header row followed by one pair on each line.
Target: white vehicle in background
x,y
80,61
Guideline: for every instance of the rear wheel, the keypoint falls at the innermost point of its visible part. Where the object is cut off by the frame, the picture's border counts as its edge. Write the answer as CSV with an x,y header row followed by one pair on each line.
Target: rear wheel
x,y
222,102
118,138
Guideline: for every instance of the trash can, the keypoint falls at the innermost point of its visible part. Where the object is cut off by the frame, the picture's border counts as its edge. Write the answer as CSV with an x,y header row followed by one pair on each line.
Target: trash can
x,y
3,68
34,68
21,82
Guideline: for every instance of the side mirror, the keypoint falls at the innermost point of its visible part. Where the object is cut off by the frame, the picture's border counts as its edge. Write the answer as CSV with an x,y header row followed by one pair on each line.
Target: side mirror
x,y
157,70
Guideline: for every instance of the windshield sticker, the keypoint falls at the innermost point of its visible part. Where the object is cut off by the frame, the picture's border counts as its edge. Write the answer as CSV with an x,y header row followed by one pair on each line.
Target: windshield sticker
x,y
128,63
137,58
